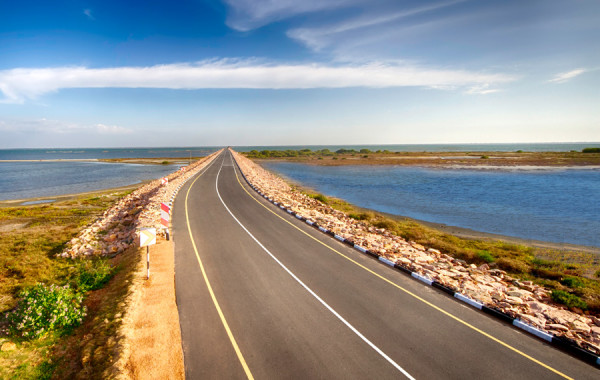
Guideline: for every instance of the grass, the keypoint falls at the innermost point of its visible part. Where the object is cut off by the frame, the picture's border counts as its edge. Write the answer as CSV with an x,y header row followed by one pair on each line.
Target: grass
x,y
30,238
574,272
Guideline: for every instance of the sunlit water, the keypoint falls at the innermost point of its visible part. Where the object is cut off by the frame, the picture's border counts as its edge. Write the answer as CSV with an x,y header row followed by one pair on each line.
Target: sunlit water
x,y
558,205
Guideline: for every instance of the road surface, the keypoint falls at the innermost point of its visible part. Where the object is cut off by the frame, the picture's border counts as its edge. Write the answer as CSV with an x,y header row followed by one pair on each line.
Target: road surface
x,y
263,295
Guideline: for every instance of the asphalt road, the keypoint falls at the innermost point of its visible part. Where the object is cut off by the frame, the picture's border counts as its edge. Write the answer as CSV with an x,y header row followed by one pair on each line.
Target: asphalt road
x,y
262,295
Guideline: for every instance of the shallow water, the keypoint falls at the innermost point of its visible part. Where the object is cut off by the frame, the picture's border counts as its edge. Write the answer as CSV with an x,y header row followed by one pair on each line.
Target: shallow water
x,y
558,205
20,180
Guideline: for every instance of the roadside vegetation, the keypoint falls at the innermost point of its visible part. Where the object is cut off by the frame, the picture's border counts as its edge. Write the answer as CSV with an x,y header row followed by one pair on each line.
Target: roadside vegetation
x,y
573,276
51,308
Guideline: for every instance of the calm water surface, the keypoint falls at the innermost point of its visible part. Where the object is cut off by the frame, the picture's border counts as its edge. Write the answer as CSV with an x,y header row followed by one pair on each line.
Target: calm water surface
x,y
19,180
560,205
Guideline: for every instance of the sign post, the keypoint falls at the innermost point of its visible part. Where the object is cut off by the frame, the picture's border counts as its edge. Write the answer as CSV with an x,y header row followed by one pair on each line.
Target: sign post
x,y
147,238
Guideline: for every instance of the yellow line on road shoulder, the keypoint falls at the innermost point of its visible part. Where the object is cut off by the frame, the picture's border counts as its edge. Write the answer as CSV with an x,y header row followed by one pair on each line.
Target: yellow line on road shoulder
x,y
210,290
405,290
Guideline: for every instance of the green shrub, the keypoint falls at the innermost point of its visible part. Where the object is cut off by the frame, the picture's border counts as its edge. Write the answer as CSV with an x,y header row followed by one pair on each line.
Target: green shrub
x,y
165,163
320,197
361,216
573,282
43,308
486,256
485,157
590,150
568,299
93,274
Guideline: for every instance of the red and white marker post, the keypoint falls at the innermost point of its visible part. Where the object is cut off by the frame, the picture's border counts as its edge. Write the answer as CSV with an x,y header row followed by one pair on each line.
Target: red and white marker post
x,y
165,217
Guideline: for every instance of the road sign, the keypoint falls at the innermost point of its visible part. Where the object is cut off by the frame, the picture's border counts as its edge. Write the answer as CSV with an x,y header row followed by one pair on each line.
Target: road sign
x,y
182,168
147,236
164,181
165,214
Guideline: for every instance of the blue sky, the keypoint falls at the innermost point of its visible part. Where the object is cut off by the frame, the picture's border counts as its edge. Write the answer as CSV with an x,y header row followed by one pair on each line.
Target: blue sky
x,y
287,72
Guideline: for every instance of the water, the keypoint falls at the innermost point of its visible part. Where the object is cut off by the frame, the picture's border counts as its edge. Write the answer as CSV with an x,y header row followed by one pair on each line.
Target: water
x,y
20,180
42,177
558,205
526,147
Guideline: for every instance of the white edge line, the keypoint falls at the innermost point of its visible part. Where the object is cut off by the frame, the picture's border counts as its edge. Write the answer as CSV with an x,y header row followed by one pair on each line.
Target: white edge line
x,y
367,341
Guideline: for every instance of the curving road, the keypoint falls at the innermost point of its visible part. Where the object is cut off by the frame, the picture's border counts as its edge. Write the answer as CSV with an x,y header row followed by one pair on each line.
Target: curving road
x,y
262,295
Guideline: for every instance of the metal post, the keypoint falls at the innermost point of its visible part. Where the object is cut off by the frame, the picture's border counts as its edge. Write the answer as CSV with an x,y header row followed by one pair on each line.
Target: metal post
x,y
148,261
167,231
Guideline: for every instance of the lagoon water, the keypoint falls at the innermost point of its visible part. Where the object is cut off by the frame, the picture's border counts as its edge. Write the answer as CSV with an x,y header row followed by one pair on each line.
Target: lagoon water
x,y
40,174
20,180
555,205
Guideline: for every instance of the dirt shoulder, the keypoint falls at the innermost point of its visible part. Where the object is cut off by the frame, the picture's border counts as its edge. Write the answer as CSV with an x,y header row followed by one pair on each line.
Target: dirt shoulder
x,y
152,327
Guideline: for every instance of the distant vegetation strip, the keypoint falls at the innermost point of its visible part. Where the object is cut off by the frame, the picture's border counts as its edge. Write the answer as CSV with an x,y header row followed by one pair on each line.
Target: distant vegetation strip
x,y
276,153
307,153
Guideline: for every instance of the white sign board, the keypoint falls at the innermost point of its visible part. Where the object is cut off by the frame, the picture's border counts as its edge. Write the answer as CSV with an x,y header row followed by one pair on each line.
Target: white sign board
x,y
147,236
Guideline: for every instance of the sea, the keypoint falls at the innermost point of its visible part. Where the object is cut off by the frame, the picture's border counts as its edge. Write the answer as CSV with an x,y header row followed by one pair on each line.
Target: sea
x,y
553,205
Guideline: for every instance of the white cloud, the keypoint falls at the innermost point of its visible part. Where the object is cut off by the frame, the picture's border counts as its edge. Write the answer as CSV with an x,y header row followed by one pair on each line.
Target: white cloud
x,y
563,77
317,38
482,89
250,14
88,13
44,125
112,129
20,84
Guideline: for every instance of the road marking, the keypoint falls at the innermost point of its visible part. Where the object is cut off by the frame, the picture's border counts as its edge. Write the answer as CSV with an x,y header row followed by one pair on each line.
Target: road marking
x,y
465,323
373,346
210,290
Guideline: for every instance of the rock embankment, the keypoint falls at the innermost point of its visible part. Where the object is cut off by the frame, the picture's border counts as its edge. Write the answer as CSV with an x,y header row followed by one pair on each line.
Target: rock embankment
x,y
115,230
492,287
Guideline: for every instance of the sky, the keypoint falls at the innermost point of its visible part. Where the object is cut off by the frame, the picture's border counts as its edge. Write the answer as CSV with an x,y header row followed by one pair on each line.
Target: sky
x,y
287,72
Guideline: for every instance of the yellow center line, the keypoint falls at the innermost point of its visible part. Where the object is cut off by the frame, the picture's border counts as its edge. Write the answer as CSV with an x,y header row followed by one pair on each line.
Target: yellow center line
x,y
210,290
405,290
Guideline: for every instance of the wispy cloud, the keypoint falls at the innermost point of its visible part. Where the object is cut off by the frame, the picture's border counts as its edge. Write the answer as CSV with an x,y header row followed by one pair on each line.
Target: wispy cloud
x,y
20,84
321,36
563,77
250,14
88,13
482,89
44,125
